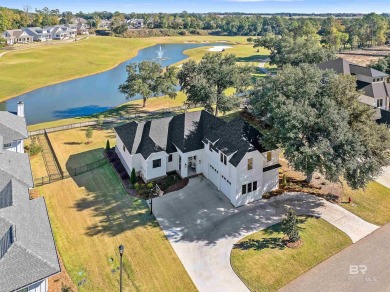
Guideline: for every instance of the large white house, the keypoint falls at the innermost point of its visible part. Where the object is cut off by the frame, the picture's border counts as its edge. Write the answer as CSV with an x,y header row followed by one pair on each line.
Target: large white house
x,y
229,154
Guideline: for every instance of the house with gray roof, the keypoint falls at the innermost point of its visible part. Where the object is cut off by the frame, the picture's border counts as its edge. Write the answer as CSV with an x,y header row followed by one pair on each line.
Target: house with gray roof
x,y
28,255
16,36
229,154
372,83
38,34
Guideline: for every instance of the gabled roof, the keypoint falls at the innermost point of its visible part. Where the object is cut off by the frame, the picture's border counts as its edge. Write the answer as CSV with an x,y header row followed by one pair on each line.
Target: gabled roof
x,y
12,127
187,132
342,66
12,192
376,89
236,137
366,71
339,65
16,165
184,131
32,254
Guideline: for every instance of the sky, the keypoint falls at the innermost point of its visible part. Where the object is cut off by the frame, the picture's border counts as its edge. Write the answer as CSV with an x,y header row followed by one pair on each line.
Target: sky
x,y
253,6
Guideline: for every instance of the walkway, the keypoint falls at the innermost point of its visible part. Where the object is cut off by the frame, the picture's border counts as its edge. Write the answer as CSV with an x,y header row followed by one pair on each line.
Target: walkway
x,y
384,179
336,274
203,226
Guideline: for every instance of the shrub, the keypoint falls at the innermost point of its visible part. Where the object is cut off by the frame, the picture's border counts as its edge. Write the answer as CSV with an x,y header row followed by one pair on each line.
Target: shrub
x,y
284,180
108,147
89,133
35,149
149,186
133,177
290,226
100,121
137,186
249,40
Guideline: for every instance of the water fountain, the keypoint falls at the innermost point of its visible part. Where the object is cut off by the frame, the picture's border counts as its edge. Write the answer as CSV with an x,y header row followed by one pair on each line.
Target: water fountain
x,y
160,53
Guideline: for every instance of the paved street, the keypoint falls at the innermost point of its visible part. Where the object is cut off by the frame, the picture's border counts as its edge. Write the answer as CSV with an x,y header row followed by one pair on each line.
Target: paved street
x,y
371,253
203,226
384,179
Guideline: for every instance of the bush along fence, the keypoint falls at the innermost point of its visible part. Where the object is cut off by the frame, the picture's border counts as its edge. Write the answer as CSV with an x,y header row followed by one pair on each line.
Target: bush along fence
x,y
121,119
69,173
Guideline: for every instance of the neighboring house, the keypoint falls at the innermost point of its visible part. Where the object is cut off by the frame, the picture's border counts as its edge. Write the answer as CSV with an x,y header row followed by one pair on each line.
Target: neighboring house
x,y
229,154
373,83
13,130
16,36
28,255
135,23
62,32
104,23
38,34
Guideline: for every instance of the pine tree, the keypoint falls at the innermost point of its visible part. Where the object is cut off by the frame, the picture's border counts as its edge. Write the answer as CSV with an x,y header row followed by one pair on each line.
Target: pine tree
x,y
108,147
290,226
133,177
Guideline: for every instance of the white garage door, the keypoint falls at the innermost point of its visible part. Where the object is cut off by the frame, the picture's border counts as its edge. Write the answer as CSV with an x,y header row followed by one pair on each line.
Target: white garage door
x,y
213,175
225,186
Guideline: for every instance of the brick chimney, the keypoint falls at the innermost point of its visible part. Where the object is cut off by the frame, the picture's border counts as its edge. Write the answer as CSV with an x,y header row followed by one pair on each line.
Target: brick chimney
x,y
21,109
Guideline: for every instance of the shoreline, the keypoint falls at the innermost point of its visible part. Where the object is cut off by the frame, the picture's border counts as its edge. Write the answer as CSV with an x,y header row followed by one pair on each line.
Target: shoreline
x,y
6,98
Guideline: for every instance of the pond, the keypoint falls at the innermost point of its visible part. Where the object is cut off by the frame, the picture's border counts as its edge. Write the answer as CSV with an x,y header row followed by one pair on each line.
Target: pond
x,y
91,94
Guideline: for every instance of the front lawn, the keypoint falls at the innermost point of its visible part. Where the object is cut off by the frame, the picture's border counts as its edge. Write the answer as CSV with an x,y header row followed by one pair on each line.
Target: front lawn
x,y
371,204
264,264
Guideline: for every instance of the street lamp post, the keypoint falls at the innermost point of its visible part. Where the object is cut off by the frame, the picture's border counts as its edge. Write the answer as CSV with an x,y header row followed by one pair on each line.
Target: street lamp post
x,y
121,250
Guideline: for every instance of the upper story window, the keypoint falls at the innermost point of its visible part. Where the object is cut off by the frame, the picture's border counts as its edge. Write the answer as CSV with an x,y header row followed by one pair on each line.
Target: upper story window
x,y
250,163
379,102
269,156
211,149
223,158
8,145
156,163
170,157
124,148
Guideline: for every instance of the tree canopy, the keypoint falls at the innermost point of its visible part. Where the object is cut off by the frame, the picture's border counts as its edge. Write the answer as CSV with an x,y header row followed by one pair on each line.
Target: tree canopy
x,y
287,50
206,82
148,79
317,120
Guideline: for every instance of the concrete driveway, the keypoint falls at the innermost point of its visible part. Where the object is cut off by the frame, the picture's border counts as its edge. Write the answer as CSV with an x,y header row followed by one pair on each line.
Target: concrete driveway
x,y
384,179
203,226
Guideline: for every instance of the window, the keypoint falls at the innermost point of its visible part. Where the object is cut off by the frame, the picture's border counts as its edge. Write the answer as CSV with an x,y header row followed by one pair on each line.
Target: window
x,y
269,156
243,189
250,163
249,187
156,163
170,158
254,186
211,150
124,148
223,158
8,145
379,102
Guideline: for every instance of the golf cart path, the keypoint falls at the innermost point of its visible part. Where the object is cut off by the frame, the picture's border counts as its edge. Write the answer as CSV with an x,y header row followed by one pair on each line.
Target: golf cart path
x,y
202,227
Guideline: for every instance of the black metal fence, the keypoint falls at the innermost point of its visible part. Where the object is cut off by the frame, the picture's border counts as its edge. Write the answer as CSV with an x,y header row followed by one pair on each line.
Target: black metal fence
x,y
71,172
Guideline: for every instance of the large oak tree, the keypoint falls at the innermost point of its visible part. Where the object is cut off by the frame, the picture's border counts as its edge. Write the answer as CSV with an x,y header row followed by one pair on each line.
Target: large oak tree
x,y
148,79
316,119
206,82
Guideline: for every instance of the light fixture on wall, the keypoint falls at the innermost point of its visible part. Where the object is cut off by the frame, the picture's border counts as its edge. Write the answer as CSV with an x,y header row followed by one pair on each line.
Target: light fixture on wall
x,y
185,165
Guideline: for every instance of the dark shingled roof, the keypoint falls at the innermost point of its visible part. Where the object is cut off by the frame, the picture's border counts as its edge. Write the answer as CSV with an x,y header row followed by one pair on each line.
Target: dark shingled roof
x,y
339,65
376,89
184,131
238,137
187,132
342,66
384,117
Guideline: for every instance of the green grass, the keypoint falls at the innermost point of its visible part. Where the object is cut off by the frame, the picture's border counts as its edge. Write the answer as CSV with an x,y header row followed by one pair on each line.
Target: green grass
x,y
371,204
26,70
91,215
264,264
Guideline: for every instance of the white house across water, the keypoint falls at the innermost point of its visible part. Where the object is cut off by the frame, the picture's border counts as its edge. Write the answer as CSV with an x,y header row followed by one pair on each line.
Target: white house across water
x,y
229,154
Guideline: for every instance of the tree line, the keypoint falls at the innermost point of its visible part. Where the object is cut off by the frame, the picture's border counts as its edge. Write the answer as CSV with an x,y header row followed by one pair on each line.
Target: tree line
x,y
345,32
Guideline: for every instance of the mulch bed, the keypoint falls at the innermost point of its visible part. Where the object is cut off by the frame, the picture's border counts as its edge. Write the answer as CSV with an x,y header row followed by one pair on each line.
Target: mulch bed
x,y
121,172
